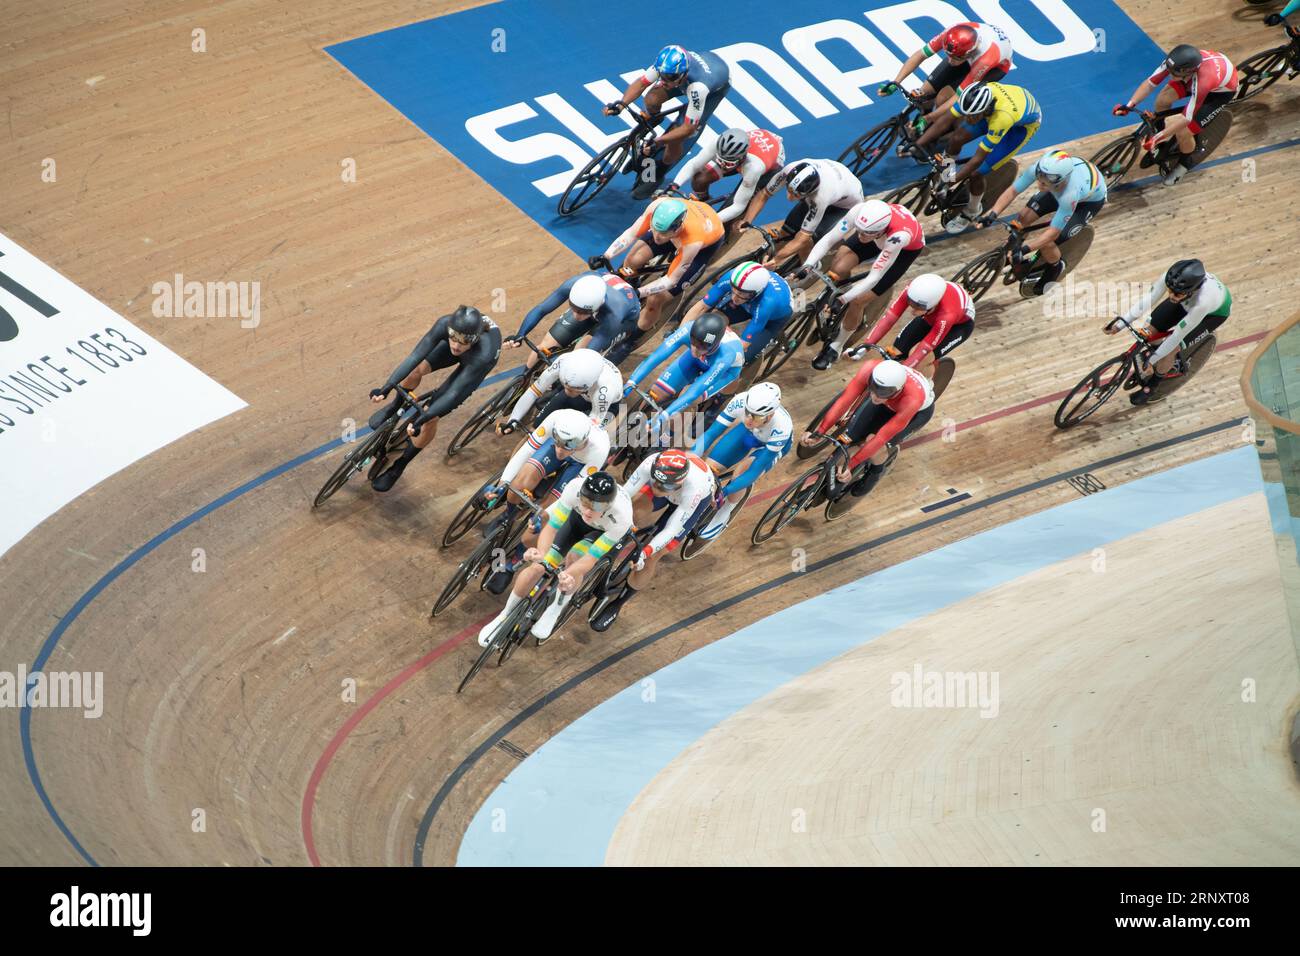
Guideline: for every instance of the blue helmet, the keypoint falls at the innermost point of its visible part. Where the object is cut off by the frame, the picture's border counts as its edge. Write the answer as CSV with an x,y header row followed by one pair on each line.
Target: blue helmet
x,y
671,62
1054,166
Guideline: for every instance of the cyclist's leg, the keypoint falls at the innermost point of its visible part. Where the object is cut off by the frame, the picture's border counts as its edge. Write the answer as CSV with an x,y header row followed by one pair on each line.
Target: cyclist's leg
x,y
854,311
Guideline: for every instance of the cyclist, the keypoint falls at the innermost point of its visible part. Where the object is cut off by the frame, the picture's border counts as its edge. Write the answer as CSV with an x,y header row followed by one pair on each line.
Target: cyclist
x,y
465,338
690,227
755,154
712,361
1275,19
589,382
886,231
702,79
901,402
1208,80
942,318
752,295
815,186
568,444
669,478
1198,303
1071,190
765,435
591,517
600,305
973,53
1005,116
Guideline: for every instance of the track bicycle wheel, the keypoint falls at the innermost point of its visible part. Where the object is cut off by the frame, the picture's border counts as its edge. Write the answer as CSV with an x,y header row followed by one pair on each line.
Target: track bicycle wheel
x,y
1257,73
788,505
595,176
352,463
869,148
1117,158
1093,391
503,632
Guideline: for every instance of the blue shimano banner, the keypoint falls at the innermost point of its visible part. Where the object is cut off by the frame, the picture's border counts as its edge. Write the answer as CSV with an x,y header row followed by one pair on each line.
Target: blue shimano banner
x,y
514,89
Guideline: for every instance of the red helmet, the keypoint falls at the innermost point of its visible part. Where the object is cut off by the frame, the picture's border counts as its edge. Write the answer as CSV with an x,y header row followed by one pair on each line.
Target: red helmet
x,y
961,40
670,469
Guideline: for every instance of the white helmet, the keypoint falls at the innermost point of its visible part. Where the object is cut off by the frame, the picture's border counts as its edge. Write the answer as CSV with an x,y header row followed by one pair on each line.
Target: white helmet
x,y
872,217
750,277
925,291
763,399
580,368
588,293
570,428
888,379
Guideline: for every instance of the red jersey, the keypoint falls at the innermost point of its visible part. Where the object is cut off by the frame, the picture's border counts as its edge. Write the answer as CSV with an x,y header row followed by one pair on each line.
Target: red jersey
x,y
1216,74
992,50
902,220
917,393
953,309
768,148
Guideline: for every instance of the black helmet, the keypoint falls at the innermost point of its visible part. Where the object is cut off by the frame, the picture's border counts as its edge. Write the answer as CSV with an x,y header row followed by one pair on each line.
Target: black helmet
x,y
707,330
803,179
467,322
1185,275
1183,58
599,488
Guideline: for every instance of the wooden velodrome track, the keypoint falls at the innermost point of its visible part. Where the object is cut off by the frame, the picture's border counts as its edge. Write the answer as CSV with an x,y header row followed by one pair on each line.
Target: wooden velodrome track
x,y
225,686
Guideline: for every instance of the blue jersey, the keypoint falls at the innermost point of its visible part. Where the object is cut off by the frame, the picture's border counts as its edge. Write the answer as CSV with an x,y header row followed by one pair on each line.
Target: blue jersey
x,y
1084,184
766,445
706,376
771,307
708,68
620,311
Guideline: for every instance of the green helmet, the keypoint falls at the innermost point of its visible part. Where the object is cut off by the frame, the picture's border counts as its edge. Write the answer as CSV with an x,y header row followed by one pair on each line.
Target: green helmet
x,y
668,215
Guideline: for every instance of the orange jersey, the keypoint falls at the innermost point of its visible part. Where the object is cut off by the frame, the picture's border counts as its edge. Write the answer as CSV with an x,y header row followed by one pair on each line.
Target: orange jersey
x,y
701,225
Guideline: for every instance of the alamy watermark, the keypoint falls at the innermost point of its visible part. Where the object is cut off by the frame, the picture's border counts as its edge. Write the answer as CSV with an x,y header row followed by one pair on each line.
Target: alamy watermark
x,y
77,690
1069,299
208,300
946,689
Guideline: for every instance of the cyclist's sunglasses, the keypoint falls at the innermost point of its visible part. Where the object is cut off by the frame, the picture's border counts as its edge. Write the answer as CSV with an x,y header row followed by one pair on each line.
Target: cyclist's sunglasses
x,y
460,339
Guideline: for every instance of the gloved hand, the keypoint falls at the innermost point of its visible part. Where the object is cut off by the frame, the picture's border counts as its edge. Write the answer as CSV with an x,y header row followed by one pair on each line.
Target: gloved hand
x,y
506,428
627,388
1120,109
596,263
535,524
613,109
1273,19
1114,325
379,394
987,219
949,174
641,558
800,274
887,89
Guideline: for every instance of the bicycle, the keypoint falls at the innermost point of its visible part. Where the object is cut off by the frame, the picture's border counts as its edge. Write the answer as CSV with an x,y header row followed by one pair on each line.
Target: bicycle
x,y
504,399
816,486
944,369
868,149
494,547
692,544
618,157
930,194
979,275
1100,385
700,289
1117,157
1257,73
377,446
